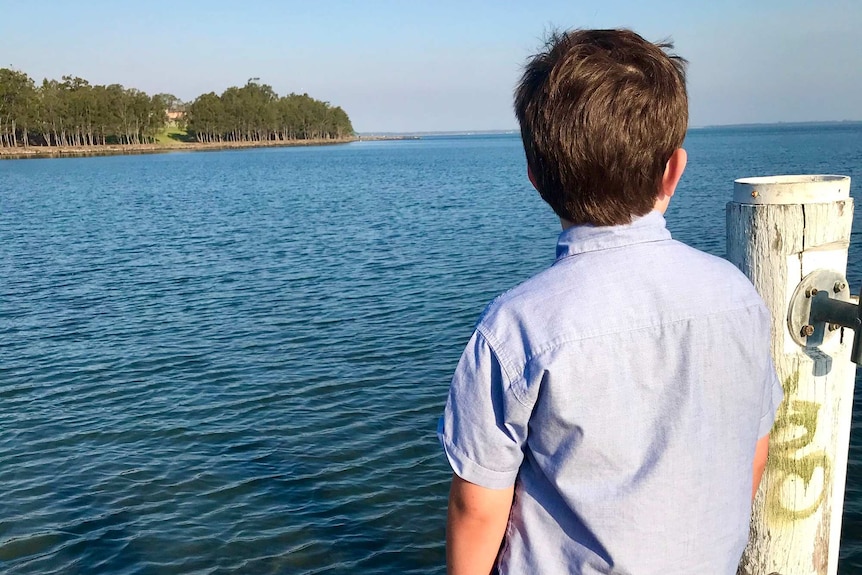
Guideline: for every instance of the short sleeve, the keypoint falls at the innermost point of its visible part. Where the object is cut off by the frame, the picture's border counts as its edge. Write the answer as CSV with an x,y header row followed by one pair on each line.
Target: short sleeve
x,y
484,426
773,394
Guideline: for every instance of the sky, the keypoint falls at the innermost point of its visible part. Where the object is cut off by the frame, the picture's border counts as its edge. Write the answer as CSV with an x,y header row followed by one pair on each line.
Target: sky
x,y
441,65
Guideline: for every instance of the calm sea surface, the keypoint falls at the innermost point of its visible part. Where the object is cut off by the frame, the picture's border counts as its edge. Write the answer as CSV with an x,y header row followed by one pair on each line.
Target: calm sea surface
x,y
234,361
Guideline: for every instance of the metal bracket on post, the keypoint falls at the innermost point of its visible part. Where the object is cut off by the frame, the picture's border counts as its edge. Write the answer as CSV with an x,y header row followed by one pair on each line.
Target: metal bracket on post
x,y
821,305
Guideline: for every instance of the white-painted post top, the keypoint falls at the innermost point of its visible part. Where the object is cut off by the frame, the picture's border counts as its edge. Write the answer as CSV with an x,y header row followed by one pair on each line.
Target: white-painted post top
x,y
812,189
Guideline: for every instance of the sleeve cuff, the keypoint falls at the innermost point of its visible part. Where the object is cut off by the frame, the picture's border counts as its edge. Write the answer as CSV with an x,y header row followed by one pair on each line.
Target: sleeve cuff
x,y
776,397
469,470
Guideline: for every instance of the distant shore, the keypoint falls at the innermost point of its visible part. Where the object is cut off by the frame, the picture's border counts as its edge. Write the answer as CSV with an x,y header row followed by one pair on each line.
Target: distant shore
x,y
158,148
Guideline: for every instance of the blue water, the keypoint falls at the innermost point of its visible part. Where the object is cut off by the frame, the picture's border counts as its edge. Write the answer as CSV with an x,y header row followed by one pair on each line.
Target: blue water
x,y
234,361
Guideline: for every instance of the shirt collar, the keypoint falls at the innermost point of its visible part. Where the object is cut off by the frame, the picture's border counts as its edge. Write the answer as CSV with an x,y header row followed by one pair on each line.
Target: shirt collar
x,y
589,238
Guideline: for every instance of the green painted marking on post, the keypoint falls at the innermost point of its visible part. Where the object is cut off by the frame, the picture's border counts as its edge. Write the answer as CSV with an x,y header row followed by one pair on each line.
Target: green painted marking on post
x,y
784,459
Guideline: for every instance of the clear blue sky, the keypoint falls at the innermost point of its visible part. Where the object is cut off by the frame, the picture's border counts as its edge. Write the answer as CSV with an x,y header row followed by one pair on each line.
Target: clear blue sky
x,y
420,65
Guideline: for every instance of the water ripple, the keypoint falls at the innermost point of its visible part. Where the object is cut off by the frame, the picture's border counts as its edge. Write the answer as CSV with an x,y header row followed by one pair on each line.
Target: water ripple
x,y
203,375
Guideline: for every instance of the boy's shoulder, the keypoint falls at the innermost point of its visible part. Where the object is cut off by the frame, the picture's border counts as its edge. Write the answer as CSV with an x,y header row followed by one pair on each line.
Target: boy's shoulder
x,y
660,261
649,283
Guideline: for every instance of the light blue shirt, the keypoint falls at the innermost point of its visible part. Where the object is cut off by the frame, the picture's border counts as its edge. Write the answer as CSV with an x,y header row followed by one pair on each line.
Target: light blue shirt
x,y
622,391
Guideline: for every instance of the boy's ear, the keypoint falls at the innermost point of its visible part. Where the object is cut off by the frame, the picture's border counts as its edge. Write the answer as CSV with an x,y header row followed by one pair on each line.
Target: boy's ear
x,y
672,173
532,177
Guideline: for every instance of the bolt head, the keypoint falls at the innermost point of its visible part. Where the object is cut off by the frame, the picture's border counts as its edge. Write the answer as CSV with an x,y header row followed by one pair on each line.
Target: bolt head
x,y
807,330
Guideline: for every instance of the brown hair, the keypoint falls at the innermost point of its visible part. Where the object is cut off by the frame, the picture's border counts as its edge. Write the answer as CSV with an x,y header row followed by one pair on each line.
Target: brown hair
x,y
601,112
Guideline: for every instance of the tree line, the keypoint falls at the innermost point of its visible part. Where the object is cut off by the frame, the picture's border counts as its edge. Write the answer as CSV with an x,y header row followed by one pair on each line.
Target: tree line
x,y
255,113
72,112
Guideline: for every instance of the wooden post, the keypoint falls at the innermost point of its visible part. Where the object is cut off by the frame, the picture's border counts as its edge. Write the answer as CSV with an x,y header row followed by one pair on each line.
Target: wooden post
x,y
780,229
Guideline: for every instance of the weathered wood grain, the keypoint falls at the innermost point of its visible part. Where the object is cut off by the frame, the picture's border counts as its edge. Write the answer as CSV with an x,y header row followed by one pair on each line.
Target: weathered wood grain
x,y
796,519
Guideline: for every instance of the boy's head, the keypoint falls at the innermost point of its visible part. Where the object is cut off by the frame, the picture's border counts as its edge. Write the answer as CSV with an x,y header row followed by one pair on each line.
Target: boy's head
x,y
601,114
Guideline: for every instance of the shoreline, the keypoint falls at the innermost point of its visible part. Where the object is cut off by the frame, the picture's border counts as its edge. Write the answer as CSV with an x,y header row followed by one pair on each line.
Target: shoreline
x,y
42,152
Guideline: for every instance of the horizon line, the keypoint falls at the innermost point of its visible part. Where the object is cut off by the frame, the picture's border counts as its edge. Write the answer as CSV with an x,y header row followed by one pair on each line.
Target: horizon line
x,y
465,132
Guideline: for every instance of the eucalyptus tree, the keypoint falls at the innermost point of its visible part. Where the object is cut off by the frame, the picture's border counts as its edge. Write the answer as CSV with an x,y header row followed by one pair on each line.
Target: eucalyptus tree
x,y
206,118
51,113
171,102
17,106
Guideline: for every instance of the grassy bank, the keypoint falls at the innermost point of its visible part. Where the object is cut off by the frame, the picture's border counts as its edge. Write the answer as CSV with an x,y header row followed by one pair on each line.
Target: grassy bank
x,y
171,135
172,139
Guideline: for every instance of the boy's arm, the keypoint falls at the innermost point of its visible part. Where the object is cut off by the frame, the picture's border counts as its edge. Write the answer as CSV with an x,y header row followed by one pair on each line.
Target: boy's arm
x,y
760,453
475,526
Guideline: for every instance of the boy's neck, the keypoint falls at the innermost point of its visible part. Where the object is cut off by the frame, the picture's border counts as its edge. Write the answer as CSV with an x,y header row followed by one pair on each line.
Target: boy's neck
x,y
660,207
672,173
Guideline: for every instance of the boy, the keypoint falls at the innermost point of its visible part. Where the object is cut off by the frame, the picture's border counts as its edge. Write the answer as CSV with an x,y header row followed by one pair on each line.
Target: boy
x,y
612,413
